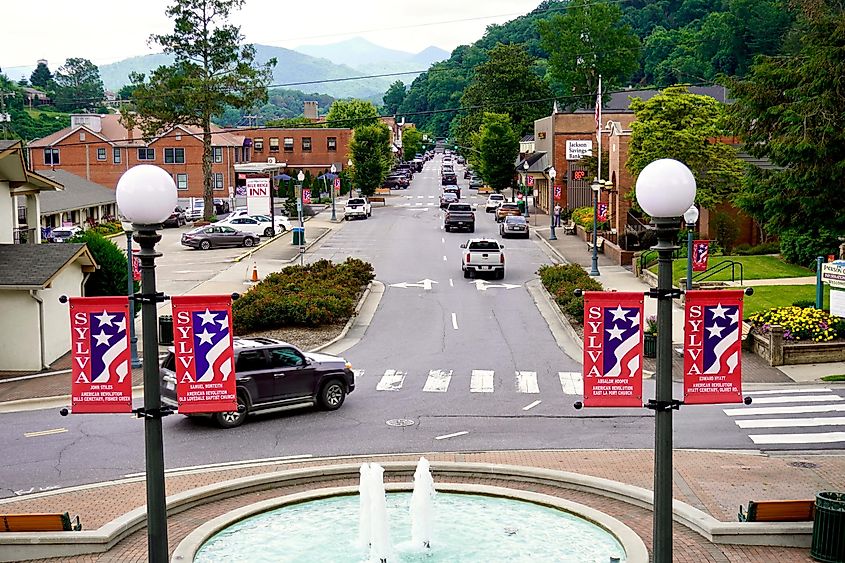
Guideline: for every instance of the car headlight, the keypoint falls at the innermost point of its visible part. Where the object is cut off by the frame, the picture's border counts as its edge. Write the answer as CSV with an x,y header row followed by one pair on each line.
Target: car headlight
x,y
348,365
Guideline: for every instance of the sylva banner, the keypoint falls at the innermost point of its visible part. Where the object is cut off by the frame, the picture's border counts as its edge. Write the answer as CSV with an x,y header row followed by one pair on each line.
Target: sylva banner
x,y
101,379
700,253
202,337
613,349
713,347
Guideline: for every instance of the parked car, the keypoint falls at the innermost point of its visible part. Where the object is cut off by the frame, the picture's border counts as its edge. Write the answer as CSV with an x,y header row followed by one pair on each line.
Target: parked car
x,y
396,182
221,206
282,222
505,209
483,256
61,234
273,375
447,199
459,216
493,202
214,236
176,219
357,208
514,225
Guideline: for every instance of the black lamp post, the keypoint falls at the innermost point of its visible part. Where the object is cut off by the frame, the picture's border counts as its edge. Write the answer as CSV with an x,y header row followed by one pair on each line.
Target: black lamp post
x,y
334,170
130,291
596,189
552,174
690,217
665,190
146,196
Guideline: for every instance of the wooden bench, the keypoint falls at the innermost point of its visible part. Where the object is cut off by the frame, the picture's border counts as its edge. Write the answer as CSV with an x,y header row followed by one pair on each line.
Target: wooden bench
x,y
778,511
599,244
39,523
378,198
383,191
569,228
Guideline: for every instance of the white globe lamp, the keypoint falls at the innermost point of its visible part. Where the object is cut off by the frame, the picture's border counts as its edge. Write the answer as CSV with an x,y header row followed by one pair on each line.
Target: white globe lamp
x,y
146,195
665,188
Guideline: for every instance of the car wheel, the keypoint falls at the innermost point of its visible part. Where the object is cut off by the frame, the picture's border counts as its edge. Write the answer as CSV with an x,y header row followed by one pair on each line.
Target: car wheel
x,y
500,274
282,229
447,228
205,245
248,241
332,395
466,273
470,273
268,232
235,418
472,229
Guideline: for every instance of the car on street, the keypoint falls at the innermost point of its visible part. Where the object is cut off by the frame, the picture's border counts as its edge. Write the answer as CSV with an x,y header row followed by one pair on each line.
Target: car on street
x,y
273,375
448,179
514,225
396,182
459,216
505,209
176,219
493,202
483,256
357,208
453,189
447,198
475,182
61,234
216,236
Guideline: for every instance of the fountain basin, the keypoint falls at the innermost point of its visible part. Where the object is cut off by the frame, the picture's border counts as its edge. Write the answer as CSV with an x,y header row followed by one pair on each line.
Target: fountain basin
x,y
619,540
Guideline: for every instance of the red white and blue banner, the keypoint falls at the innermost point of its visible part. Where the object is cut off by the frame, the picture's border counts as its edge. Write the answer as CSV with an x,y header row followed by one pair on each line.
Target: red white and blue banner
x,y
713,347
613,349
101,379
602,213
205,365
700,253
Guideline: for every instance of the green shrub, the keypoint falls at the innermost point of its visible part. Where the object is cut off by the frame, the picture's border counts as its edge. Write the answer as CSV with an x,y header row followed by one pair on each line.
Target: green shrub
x,y
804,304
584,216
802,247
562,281
763,248
110,277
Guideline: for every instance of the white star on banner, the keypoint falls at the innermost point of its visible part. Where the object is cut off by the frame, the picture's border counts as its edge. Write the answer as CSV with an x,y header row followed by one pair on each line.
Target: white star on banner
x,y
716,330
224,322
207,317
205,336
619,313
719,311
101,338
121,325
615,332
104,319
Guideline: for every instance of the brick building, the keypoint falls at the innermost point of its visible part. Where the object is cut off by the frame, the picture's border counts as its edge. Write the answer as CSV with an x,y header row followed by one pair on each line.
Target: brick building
x,y
314,149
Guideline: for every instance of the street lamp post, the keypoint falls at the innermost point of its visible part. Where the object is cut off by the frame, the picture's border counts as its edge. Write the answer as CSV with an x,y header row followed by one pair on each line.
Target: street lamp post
x,y
552,174
596,188
130,291
349,164
525,167
146,196
690,217
665,189
300,210
334,170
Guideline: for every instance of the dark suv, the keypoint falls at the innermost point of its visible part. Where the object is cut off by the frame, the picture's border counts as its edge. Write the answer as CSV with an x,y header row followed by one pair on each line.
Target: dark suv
x,y
273,375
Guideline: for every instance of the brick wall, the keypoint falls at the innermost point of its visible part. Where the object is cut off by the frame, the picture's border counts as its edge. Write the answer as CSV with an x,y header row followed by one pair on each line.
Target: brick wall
x,y
296,152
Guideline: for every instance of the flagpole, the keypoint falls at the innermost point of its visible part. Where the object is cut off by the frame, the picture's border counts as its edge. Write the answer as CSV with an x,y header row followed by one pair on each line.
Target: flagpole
x,y
598,126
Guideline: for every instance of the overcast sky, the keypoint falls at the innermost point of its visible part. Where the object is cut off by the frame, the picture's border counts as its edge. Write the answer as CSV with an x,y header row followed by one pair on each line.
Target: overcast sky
x,y
105,32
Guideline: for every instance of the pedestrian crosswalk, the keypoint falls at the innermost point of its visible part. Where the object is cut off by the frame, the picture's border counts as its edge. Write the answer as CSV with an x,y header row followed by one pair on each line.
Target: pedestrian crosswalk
x,y
781,417
478,381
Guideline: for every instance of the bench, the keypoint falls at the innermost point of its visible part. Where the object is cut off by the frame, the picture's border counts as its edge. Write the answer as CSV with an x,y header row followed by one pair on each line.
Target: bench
x,y
569,228
39,523
383,191
778,511
599,244
379,199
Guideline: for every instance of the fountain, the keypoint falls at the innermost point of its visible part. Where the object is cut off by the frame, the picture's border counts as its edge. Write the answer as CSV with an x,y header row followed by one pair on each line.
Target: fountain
x,y
422,499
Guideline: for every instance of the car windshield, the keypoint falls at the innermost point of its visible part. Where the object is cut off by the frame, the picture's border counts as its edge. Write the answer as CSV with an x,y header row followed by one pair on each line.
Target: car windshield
x,y
460,207
496,197
484,245
356,201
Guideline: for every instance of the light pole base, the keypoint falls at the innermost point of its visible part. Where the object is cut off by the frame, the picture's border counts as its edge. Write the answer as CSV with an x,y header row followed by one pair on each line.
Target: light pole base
x,y
595,272
553,236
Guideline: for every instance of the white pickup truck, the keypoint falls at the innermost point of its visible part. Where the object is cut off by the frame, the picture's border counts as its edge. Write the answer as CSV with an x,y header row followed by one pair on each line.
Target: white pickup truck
x,y
357,208
483,256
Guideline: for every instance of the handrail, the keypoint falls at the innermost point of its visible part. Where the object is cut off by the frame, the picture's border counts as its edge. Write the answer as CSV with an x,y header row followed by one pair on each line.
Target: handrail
x,y
721,266
649,257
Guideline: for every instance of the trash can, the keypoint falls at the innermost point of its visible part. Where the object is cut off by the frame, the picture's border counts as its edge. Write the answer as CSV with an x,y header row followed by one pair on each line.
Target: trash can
x,y
829,528
298,236
165,330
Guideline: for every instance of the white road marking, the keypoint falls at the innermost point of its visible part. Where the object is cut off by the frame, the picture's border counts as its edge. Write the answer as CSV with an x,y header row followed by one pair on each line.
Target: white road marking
x,y
531,406
784,391
453,435
796,399
34,376
444,258
526,382
358,373
454,321
45,432
451,283
571,382
790,422
804,409
438,381
442,239
418,197
391,380
481,381
810,438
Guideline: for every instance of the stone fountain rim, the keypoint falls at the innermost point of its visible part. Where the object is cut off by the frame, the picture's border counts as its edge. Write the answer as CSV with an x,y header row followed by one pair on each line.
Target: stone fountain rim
x,y
634,547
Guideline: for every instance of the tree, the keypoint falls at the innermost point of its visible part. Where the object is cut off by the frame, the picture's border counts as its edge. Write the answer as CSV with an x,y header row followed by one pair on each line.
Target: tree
x,y
211,71
291,122
371,157
110,277
498,146
394,97
788,109
41,77
588,41
686,127
78,86
412,142
126,92
351,113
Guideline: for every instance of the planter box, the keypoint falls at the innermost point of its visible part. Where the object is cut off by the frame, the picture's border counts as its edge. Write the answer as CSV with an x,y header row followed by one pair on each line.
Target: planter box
x,y
777,352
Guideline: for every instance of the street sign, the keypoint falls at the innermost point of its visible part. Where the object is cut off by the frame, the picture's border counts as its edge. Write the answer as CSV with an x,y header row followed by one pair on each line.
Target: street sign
x,y
136,265
833,273
576,149
337,183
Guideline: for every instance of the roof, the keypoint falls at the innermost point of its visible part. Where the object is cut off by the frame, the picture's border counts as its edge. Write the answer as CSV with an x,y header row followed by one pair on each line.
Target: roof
x,y
620,101
6,143
760,162
536,162
33,266
13,170
78,193
527,138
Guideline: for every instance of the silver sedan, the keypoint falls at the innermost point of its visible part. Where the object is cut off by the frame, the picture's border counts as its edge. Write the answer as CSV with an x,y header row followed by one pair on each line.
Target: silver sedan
x,y
514,225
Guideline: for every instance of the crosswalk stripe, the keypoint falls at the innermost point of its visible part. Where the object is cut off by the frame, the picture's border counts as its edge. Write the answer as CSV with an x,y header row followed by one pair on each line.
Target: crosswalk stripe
x,y
526,382
814,437
785,391
391,380
358,373
796,399
748,411
790,422
481,381
438,381
571,382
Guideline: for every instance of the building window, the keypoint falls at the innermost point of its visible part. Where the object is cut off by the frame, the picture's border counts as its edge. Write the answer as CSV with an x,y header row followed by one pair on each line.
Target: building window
x,y
258,145
218,154
331,144
274,144
218,180
288,144
181,181
174,156
306,144
146,154
82,135
116,155
101,154
51,156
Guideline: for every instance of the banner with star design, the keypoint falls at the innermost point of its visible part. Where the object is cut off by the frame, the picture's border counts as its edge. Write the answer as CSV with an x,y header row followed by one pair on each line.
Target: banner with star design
x,y
101,380
700,253
713,347
205,364
613,349
601,213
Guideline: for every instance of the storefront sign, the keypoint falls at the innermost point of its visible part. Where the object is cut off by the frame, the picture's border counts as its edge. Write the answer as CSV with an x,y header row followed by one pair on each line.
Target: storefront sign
x,y
613,349
577,149
101,380
713,347
202,337
258,196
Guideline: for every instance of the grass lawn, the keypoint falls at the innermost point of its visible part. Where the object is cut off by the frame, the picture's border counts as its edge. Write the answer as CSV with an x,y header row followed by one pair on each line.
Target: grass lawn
x,y
768,296
753,268
833,378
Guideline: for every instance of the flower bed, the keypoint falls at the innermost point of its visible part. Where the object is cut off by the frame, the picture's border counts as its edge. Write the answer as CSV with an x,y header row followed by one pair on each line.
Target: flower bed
x,y
797,335
561,281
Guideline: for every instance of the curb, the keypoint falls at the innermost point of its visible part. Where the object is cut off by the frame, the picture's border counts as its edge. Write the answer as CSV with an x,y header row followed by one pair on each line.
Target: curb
x,y
360,320
54,402
310,244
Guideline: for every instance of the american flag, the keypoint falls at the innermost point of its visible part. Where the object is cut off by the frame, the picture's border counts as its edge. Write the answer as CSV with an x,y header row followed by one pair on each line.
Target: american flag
x,y
109,356
211,342
722,344
700,252
621,341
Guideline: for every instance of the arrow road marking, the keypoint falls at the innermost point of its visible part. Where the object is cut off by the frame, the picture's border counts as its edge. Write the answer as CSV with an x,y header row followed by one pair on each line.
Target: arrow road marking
x,y
482,285
425,284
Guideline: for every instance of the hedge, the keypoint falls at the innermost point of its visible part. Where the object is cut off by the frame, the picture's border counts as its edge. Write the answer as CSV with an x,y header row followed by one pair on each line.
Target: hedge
x,y
562,281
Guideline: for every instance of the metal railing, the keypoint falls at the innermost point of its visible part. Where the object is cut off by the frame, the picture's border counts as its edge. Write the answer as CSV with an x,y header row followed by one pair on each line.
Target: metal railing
x,y
24,235
721,267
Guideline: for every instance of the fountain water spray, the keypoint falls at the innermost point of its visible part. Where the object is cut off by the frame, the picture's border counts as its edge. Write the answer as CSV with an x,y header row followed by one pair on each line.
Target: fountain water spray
x,y
373,530
364,496
422,505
